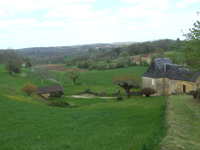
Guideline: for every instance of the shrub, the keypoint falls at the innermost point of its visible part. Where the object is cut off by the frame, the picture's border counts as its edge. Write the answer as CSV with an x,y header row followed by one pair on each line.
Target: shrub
x,y
119,64
147,91
56,94
119,98
191,92
60,104
28,88
93,66
111,66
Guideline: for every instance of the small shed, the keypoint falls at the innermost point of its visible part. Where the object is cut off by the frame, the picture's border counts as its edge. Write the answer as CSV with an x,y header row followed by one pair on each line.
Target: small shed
x,y
47,90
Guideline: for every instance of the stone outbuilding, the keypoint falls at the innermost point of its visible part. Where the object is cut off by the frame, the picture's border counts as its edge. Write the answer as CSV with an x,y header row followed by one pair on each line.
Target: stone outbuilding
x,y
47,90
167,78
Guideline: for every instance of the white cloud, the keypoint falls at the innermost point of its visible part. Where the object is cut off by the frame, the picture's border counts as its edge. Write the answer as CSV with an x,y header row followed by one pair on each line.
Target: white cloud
x,y
144,9
75,11
2,14
132,1
16,23
181,4
191,1
28,5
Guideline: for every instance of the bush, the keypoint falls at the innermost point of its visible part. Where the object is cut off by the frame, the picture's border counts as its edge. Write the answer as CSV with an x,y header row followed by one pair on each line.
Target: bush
x,y
111,66
28,88
147,91
60,104
56,94
93,66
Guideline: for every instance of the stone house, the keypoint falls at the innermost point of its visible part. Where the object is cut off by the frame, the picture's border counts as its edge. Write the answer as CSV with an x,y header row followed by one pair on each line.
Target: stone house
x,y
167,78
145,57
47,90
136,60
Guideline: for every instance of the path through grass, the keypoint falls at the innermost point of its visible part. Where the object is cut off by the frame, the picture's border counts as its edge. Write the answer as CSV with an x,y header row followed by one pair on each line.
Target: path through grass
x,y
183,117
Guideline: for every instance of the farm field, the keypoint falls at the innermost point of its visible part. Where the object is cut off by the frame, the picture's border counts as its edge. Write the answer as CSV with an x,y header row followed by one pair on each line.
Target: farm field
x,y
28,123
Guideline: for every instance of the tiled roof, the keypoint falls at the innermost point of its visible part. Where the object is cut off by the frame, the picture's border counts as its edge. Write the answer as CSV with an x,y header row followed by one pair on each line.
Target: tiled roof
x,y
144,55
49,89
135,58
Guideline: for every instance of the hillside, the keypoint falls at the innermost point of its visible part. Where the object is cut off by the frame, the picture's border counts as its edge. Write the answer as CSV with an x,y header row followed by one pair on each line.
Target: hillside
x,y
28,123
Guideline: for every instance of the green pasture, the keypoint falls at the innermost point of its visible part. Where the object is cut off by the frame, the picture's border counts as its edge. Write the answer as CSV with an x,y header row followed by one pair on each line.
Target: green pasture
x,y
27,123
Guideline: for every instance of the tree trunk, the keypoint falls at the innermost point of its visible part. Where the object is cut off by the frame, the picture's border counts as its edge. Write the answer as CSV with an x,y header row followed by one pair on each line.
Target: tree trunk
x,y
128,93
74,82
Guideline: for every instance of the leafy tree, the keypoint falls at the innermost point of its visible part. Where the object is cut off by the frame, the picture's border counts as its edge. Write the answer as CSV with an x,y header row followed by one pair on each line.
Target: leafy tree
x,y
159,52
41,71
127,82
173,57
124,54
129,60
28,88
28,64
12,61
192,46
74,74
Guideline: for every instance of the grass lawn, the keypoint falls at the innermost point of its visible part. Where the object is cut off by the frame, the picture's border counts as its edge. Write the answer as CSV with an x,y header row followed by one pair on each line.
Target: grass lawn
x,y
28,123
183,117
131,124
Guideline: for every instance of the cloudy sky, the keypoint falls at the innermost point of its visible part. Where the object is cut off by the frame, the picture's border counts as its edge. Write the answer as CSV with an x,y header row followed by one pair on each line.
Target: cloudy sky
x,y
42,23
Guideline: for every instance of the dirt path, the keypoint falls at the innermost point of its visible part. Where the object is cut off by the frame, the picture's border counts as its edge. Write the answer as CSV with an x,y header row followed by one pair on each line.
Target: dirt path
x,y
88,96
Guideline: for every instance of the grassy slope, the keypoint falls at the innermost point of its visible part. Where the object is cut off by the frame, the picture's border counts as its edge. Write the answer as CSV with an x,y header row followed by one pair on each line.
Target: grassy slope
x,y
183,117
27,123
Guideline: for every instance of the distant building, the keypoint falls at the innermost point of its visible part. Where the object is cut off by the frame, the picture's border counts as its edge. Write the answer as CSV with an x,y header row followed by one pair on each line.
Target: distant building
x,y
136,60
145,57
23,64
167,78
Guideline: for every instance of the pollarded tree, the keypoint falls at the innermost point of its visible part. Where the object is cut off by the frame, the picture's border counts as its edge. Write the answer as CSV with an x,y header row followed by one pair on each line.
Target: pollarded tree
x,y
28,88
127,82
74,74
192,48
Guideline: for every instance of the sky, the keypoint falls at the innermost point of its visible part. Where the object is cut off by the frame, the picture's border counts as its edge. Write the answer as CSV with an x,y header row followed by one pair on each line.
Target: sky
x,y
43,23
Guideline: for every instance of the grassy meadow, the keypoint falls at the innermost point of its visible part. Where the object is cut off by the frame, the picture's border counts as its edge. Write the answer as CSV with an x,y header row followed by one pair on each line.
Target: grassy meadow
x,y
28,123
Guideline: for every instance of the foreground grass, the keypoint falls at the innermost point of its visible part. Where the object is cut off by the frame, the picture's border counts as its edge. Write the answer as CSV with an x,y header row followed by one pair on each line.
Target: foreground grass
x,y
131,124
183,117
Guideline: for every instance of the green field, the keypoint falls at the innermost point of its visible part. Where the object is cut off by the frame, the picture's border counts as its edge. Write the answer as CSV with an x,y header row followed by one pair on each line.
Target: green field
x,y
27,123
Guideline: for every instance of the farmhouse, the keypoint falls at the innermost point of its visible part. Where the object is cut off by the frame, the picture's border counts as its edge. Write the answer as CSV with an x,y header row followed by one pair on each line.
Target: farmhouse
x,y
47,90
145,57
142,58
136,60
167,78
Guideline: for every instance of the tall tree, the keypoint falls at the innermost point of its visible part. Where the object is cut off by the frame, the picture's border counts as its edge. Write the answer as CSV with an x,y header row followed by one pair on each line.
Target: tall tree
x,y
127,82
192,46
12,61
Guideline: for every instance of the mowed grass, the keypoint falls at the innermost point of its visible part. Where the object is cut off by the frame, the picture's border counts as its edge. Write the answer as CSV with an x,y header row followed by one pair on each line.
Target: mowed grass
x,y
183,117
27,123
